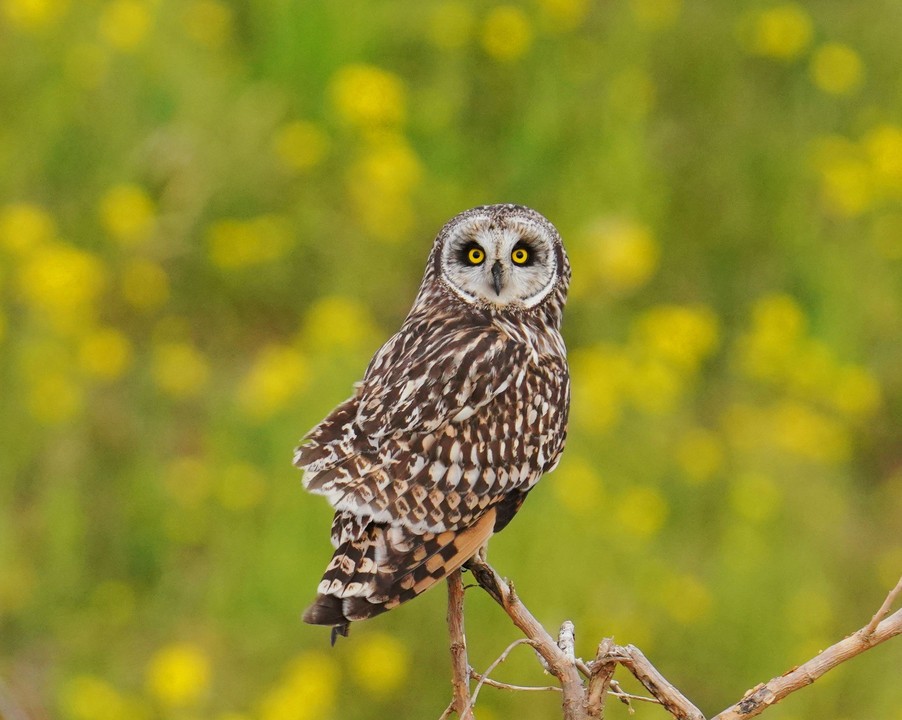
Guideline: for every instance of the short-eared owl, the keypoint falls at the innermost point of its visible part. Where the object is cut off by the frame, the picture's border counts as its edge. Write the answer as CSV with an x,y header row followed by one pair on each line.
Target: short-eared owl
x,y
457,417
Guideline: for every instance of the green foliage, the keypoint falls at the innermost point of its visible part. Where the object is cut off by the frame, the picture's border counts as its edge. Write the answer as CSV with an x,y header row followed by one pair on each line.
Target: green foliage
x,y
212,214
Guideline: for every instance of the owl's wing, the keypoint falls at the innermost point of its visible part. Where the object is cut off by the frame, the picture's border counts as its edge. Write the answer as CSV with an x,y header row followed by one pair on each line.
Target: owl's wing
x,y
431,443
414,384
419,383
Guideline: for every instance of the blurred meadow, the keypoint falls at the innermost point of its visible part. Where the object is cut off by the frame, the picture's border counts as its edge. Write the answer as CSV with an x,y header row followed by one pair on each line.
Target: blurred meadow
x,y
211,215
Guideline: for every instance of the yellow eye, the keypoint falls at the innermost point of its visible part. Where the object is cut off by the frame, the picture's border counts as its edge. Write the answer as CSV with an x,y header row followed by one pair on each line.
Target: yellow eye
x,y
520,255
476,255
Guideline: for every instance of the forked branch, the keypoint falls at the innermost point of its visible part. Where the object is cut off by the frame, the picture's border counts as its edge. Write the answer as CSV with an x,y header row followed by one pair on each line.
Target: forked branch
x,y
585,700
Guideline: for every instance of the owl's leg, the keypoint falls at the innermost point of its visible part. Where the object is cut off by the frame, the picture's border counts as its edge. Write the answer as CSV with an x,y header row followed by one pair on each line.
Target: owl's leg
x,y
483,552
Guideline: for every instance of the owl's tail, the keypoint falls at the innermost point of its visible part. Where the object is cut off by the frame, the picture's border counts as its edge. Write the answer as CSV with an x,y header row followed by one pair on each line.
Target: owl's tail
x,y
387,566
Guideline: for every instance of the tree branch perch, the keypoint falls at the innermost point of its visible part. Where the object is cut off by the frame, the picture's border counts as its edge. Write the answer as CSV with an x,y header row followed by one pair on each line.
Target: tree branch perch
x,y
585,700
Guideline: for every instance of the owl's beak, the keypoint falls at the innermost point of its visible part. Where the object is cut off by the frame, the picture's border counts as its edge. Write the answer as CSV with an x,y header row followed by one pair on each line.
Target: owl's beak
x,y
497,275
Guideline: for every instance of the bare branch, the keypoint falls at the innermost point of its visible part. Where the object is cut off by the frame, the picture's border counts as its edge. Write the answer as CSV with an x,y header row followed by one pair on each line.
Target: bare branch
x,y
566,640
600,680
883,611
586,701
663,691
460,678
500,659
559,663
626,697
761,697
507,686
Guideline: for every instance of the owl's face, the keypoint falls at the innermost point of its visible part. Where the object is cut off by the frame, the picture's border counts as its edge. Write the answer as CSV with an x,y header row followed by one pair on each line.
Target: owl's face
x,y
504,256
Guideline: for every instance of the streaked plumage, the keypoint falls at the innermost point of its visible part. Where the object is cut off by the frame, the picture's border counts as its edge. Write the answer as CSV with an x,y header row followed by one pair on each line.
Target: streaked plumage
x,y
458,416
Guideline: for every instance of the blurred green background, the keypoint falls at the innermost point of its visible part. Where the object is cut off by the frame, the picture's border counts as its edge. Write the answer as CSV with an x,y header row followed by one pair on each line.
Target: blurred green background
x,y
211,215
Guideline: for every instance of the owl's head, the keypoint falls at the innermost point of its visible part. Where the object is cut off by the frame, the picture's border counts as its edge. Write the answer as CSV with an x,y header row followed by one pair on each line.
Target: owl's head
x,y
502,256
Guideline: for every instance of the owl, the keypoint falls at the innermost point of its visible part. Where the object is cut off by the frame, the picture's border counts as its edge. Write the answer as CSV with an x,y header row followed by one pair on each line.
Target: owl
x,y
457,417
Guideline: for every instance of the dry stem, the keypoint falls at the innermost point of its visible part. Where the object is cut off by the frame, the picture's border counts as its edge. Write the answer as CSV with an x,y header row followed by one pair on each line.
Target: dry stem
x,y
559,663
460,679
586,701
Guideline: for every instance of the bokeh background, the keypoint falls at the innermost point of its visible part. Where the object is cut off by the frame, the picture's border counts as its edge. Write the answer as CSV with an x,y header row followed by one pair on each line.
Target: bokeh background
x,y
212,213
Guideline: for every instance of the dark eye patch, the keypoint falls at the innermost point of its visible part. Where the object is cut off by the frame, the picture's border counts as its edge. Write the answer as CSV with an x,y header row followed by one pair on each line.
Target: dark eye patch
x,y
465,250
531,253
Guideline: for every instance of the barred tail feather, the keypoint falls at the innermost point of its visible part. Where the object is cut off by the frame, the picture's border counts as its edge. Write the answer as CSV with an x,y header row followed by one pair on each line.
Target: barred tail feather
x,y
385,568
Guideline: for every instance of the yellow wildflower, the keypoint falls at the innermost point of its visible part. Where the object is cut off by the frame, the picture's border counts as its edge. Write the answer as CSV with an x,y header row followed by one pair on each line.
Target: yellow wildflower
x,y
755,497
33,15
241,487
655,386
855,392
679,334
379,663
783,32
179,674
506,33
338,323
836,69
600,377
105,353
144,284
388,217
451,24
127,213
656,13
300,145
624,254
801,430
278,375
379,184
307,692
24,226
778,324
883,145
389,167
124,24
179,369
366,96
824,150
87,697
812,370
240,243
641,511
847,187
565,15
62,282
207,22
